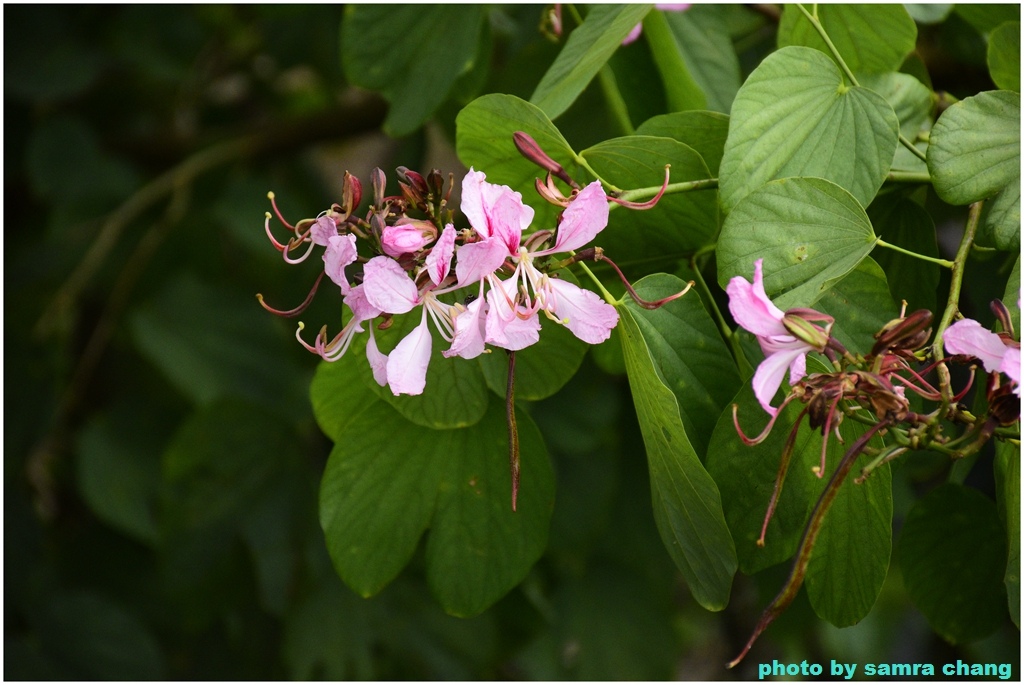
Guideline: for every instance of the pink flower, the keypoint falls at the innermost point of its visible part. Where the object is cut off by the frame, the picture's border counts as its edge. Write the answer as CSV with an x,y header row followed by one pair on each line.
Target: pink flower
x,y
968,337
407,236
340,252
499,217
752,310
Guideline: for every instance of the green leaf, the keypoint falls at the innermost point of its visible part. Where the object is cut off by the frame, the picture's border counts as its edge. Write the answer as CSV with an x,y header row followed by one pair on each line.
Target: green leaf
x,y
900,221
394,49
687,504
987,17
688,353
953,555
851,556
974,150
861,305
1007,474
483,140
379,495
1013,290
328,634
588,49
870,38
678,224
681,90
913,103
930,13
455,394
702,37
1004,56
795,117
704,131
810,233
1001,226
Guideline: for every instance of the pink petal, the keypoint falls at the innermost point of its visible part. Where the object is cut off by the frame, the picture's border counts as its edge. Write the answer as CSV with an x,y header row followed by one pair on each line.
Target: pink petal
x,y
1011,366
589,317
494,209
407,363
770,372
509,217
362,310
583,219
388,287
969,337
633,34
403,239
479,260
503,327
473,189
751,308
322,230
468,341
340,252
378,361
439,261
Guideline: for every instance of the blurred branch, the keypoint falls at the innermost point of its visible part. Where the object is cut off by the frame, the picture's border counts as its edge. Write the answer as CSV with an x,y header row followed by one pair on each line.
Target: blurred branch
x,y
339,122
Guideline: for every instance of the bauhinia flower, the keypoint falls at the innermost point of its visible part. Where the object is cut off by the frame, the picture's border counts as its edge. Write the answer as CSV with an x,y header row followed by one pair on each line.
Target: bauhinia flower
x,y
785,337
968,337
499,217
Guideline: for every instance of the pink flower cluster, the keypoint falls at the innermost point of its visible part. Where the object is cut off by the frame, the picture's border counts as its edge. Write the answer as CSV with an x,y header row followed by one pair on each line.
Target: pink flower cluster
x,y
415,265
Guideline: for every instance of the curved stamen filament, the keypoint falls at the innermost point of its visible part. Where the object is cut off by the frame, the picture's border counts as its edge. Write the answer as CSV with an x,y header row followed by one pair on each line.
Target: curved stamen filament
x,y
273,241
767,429
780,477
298,310
650,203
273,203
820,471
298,260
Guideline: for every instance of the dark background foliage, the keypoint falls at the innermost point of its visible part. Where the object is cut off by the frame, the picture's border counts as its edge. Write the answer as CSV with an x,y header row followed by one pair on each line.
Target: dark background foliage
x,y
161,462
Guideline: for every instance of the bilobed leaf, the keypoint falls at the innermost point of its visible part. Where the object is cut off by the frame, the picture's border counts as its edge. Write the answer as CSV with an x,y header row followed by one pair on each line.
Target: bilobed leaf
x,y
1001,227
870,38
795,117
688,354
1007,473
809,231
704,131
678,224
586,51
952,554
912,102
483,140
394,49
388,480
687,504
1004,56
974,149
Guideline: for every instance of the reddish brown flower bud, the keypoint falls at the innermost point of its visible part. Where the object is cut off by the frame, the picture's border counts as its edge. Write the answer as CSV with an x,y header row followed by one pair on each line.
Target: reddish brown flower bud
x,y
904,335
1003,316
379,183
351,194
529,148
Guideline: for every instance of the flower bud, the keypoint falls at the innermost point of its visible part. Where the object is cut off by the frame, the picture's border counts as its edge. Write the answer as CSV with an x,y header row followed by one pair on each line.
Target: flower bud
x,y
529,148
352,193
908,333
379,183
798,323
407,236
1002,316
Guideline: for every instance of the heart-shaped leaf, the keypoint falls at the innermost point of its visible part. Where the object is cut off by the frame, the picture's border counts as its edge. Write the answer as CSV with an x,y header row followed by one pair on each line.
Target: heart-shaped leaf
x,y
794,116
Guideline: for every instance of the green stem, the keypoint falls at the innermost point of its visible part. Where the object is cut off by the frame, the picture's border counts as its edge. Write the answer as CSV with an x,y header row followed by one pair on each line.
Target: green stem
x,y
616,104
935,260
641,194
956,281
813,18
909,177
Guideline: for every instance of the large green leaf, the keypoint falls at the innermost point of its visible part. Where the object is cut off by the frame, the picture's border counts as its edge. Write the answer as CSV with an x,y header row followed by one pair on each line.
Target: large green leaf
x,y
688,354
455,394
687,504
681,90
1007,472
870,38
913,103
1004,56
986,17
704,131
851,556
381,491
394,49
588,49
809,231
483,140
902,222
974,150
953,555
795,117
679,224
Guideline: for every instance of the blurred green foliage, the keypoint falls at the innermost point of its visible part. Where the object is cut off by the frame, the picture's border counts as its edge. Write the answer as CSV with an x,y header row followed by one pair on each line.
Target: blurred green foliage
x,y
162,462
